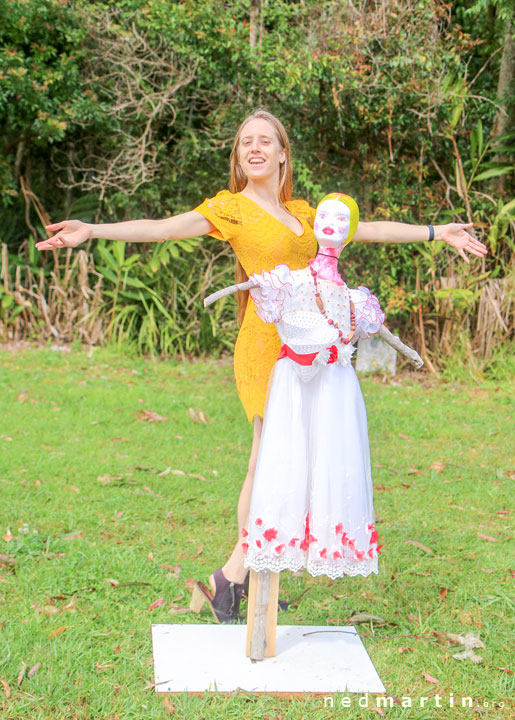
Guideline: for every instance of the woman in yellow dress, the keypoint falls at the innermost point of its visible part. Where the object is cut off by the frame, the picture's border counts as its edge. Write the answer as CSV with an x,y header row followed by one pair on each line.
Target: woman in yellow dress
x,y
265,227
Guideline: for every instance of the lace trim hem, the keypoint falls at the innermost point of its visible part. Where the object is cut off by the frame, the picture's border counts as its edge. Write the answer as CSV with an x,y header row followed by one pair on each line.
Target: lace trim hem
x,y
314,568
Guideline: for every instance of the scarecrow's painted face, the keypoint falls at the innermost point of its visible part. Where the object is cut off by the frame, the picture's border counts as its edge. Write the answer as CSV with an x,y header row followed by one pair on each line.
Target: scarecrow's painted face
x,y
332,223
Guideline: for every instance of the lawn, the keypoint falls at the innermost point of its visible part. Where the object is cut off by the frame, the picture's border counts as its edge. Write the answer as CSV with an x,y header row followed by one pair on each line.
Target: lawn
x,y
106,509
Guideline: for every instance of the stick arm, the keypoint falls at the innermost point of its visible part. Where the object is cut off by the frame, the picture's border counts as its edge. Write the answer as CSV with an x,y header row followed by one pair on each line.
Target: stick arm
x,y
398,345
210,299
387,336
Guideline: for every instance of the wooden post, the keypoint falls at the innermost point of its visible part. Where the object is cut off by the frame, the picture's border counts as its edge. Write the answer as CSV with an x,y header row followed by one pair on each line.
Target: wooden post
x,y
262,614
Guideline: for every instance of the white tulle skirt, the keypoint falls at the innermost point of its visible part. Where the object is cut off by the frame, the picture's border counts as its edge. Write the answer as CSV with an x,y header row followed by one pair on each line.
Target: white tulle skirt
x,y
311,503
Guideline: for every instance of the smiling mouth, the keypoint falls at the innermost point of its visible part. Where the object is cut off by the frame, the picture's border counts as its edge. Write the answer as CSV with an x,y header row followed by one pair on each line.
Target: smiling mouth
x,y
328,231
256,161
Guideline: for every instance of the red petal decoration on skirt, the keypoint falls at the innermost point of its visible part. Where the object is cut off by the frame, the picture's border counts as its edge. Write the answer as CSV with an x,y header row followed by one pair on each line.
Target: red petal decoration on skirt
x,y
345,539
336,554
360,554
293,541
378,548
374,537
259,521
245,547
371,552
304,545
258,543
323,553
244,532
270,534
279,548
339,529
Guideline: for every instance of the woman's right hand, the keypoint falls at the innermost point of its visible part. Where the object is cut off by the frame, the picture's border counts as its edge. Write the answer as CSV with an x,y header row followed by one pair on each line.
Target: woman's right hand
x,y
68,233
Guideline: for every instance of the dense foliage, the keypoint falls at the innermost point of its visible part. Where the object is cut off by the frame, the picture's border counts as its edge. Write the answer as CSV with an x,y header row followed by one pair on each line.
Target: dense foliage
x,y
117,110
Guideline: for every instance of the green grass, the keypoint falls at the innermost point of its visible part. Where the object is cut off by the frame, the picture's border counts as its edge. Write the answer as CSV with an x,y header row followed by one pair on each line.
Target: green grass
x,y
81,494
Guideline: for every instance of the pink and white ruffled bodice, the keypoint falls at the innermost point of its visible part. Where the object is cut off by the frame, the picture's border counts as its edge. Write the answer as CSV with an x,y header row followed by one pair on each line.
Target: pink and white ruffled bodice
x,y
287,298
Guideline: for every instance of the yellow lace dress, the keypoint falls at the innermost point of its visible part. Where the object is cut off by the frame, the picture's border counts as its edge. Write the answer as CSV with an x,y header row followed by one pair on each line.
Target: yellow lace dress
x,y
260,242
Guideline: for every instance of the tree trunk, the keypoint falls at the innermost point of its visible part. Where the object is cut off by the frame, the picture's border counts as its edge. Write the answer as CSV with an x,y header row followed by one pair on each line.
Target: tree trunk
x,y
504,120
253,22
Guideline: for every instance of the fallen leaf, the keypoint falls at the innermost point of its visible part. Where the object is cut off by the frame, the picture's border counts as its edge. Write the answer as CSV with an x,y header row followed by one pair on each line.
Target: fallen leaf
x,y
112,582
380,487
7,689
437,466
9,536
70,606
503,669
419,545
150,416
193,415
198,477
365,617
33,670
405,485
403,436
487,537
74,488
443,592
157,604
413,471
174,570
190,583
50,610
165,472
59,631
176,610
201,416
178,472
199,551
468,655
75,535
412,618
379,711
430,679
106,479
22,397
407,649
21,674
103,666
169,705
469,640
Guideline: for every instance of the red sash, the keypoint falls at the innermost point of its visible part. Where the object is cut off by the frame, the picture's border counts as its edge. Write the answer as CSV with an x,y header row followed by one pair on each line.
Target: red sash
x,y
308,358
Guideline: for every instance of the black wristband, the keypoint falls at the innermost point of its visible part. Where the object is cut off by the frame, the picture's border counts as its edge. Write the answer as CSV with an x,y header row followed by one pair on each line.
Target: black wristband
x,y
431,232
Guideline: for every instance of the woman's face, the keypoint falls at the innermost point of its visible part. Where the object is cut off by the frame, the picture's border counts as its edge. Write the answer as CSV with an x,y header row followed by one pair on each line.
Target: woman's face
x,y
332,223
259,150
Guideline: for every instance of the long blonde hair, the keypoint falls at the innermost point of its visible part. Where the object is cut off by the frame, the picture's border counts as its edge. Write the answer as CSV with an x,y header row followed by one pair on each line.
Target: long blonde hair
x,y
238,180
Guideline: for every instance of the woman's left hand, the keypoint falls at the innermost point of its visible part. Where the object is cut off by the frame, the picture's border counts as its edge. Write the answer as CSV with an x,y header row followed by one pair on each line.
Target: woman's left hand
x,y
456,235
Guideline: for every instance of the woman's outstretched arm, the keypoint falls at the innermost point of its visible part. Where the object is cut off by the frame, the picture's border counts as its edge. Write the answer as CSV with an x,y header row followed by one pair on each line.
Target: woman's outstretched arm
x,y
454,234
70,233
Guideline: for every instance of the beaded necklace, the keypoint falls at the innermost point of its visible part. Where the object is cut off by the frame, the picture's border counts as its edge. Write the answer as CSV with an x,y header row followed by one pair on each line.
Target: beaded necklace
x,y
320,304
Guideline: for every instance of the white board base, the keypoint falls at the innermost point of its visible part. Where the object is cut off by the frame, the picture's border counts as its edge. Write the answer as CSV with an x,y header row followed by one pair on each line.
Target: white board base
x,y
309,659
